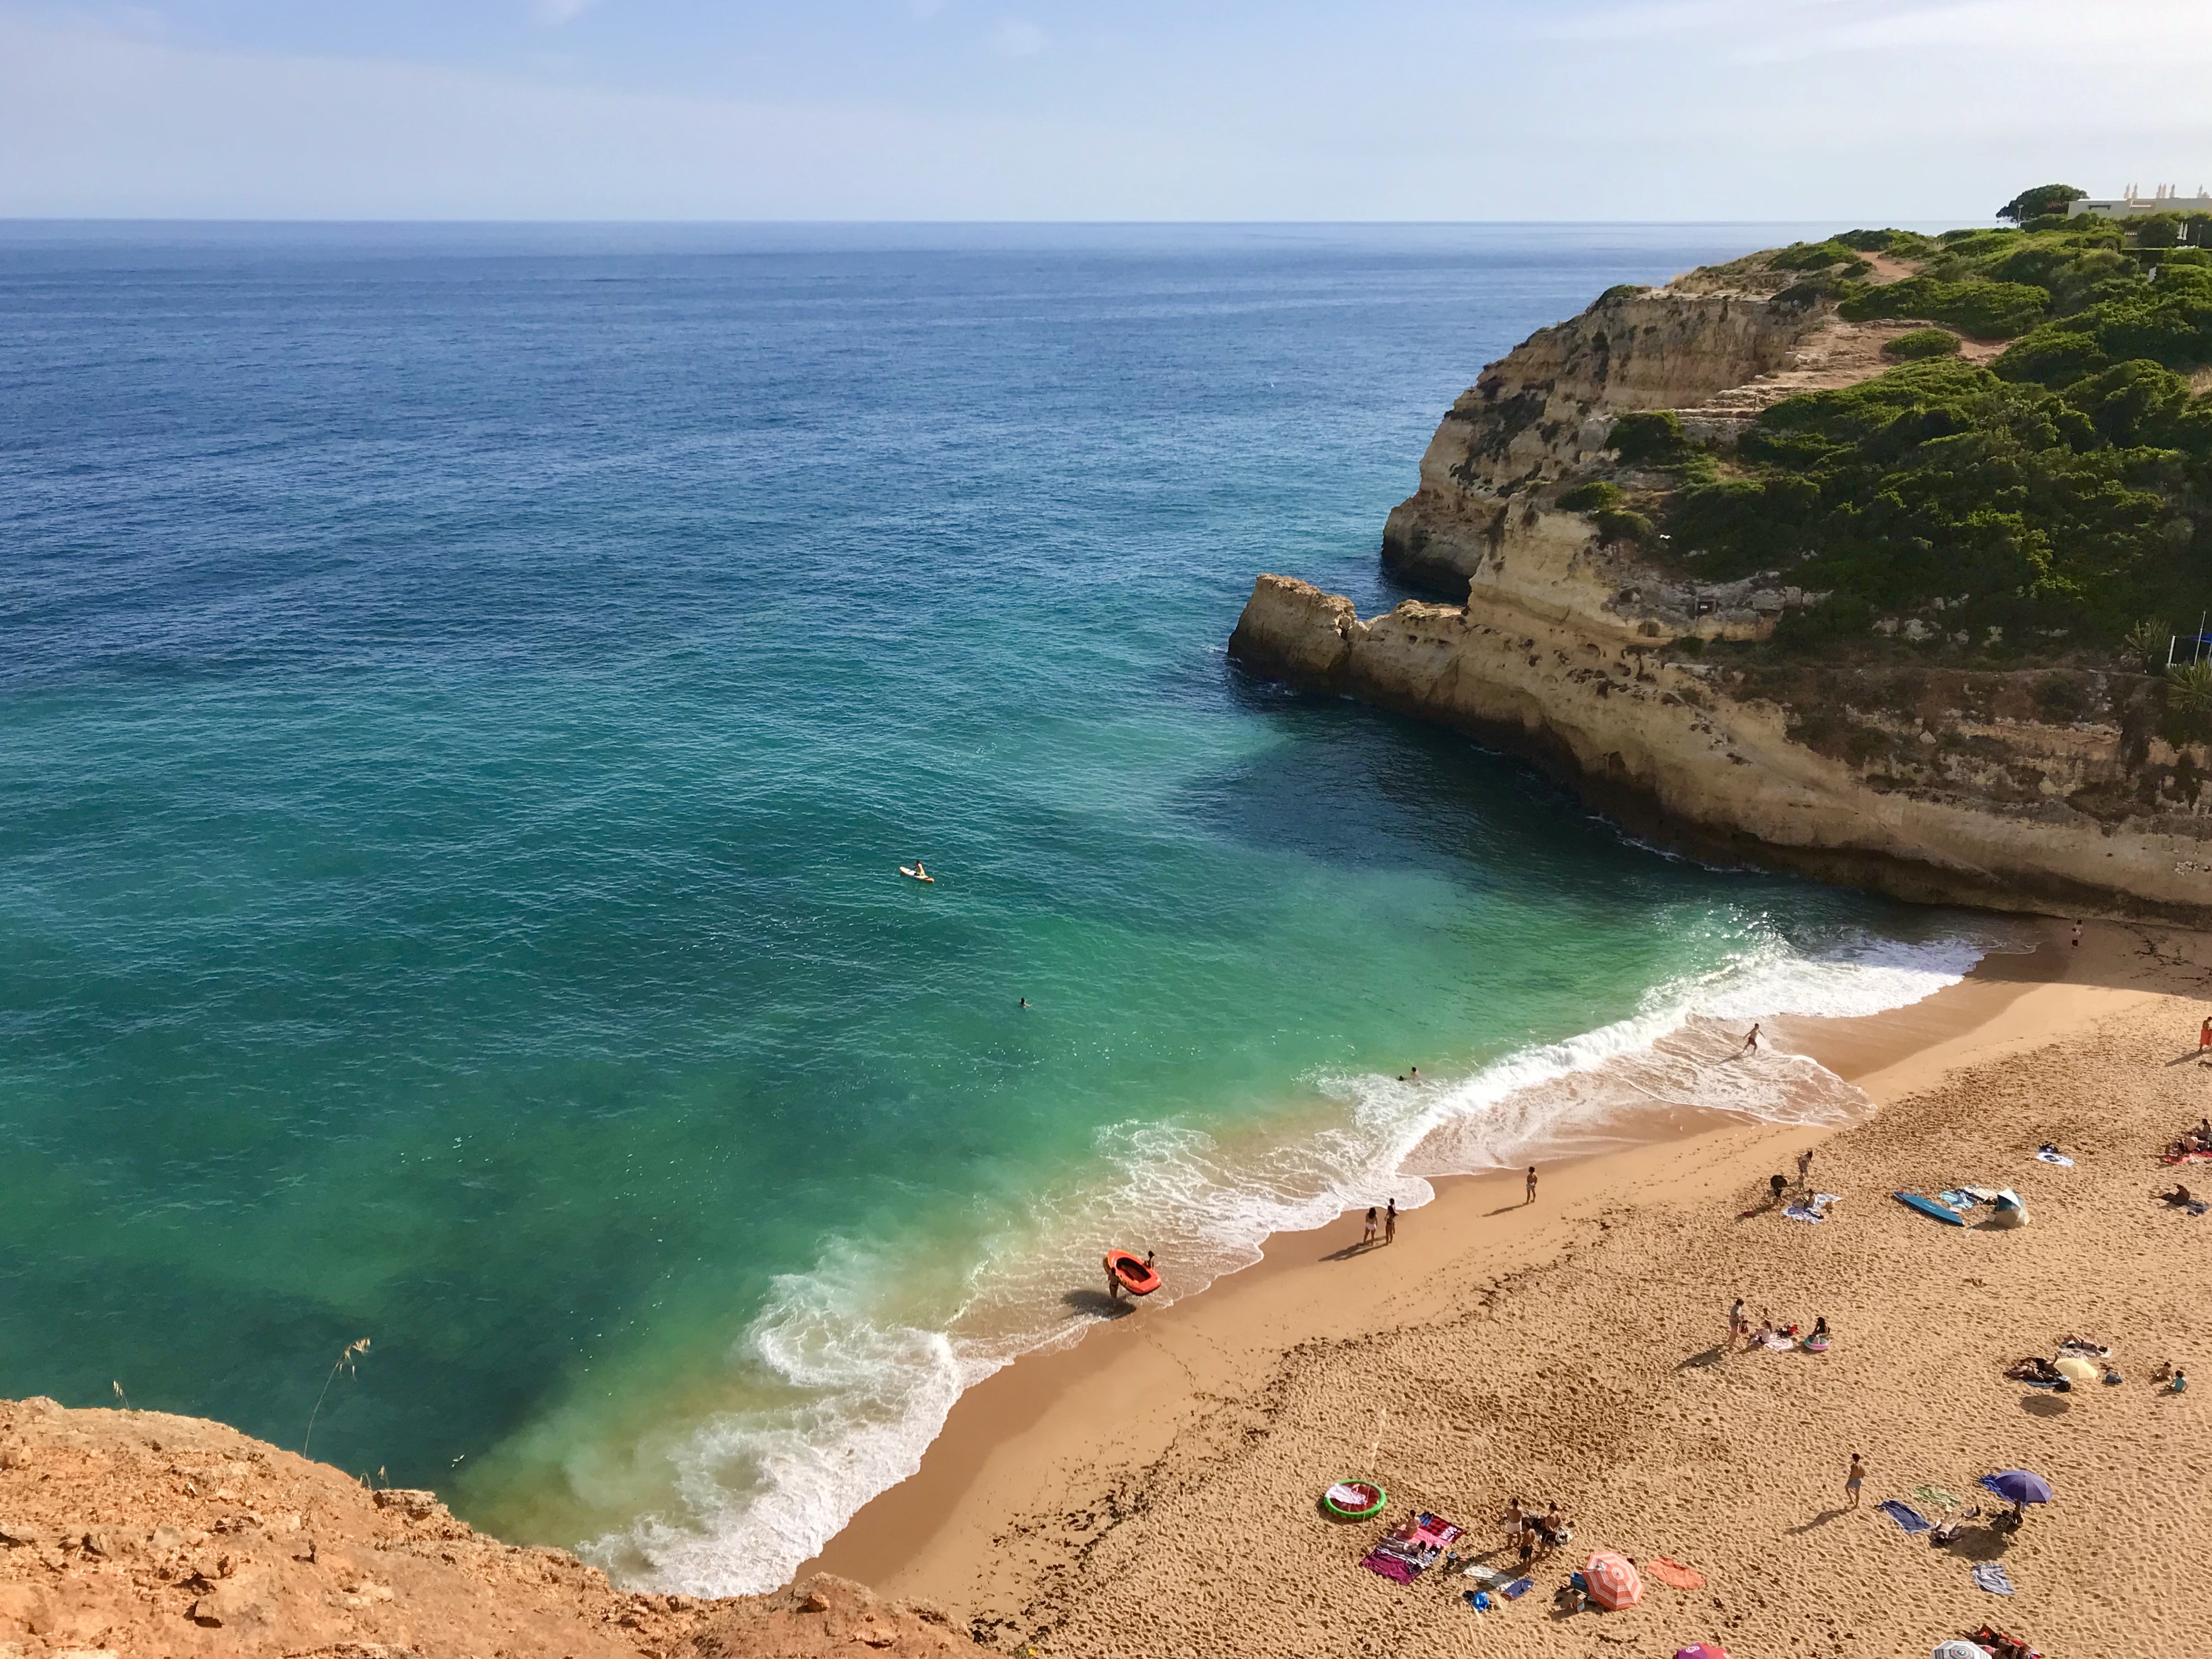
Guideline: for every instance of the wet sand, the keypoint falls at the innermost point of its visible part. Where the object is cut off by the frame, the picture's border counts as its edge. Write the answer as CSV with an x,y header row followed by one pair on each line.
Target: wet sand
x,y
1152,1488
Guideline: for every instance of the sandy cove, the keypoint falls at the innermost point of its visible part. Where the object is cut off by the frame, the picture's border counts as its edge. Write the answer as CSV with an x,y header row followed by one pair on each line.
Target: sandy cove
x,y
1153,1490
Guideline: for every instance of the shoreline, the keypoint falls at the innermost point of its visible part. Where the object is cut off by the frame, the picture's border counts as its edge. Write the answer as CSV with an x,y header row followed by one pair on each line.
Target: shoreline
x,y
1030,1435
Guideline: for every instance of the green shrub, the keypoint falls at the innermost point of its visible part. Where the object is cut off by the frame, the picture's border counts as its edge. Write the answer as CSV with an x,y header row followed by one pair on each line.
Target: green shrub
x,y
1814,256
1654,438
2147,643
2060,698
2169,322
1619,525
1594,496
1987,311
2076,510
2159,230
1920,342
1621,291
2189,687
1869,241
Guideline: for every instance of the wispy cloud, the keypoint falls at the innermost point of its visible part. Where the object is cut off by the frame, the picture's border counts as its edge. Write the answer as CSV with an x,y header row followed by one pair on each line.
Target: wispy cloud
x,y
1015,38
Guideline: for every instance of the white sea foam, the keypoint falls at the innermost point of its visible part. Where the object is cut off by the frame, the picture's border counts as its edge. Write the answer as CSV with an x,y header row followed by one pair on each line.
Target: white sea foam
x,y
859,1392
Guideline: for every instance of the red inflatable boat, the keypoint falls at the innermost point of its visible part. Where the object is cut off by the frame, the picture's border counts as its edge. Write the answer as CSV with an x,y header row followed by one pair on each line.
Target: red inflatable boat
x,y
1130,1269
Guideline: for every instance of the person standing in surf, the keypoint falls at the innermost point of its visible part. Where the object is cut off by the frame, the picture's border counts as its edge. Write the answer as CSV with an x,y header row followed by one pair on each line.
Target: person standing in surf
x,y
1751,1042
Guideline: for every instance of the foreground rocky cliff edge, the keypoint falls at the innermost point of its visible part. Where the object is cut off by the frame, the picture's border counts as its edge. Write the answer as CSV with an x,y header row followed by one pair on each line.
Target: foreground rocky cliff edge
x,y
142,1535
1927,782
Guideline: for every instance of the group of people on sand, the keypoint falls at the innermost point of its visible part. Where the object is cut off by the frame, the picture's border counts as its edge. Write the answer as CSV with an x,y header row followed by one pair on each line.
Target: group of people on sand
x,y
1527,1532
1772,1336
2192,1142
1389,1220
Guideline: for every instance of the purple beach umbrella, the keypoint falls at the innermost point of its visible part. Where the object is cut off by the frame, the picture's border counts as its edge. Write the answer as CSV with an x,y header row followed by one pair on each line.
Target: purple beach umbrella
x,y
2019,1487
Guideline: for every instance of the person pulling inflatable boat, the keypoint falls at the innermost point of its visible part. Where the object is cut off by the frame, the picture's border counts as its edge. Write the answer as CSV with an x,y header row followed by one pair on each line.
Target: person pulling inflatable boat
x,y
1126,1271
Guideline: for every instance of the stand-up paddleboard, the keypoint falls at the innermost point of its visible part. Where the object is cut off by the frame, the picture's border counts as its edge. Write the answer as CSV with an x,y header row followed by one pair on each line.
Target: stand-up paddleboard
x,y
1130,1269
1928,1206
914,872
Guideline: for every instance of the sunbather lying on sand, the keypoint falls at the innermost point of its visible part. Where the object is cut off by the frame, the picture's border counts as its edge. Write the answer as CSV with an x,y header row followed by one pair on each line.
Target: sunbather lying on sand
x,y
2034,1369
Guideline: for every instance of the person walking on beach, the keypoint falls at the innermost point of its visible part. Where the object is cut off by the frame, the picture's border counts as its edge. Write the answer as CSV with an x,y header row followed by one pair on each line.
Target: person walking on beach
x,y
1368,1238
1805,1168
1751,1042
1738,1327
1390,1224
1853,1481
1531,1199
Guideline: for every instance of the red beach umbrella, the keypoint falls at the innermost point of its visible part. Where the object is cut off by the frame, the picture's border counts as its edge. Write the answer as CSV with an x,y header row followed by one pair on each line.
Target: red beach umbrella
x,y
1612,1581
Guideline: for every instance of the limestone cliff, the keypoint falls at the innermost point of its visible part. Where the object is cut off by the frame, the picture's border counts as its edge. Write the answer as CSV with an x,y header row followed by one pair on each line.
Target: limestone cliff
x,y
2044,789
1942,787
137,1533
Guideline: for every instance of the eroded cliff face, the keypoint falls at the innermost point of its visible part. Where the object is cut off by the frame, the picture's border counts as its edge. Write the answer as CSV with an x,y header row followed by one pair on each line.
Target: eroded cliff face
x,y
1939,786
1537,422
126,1532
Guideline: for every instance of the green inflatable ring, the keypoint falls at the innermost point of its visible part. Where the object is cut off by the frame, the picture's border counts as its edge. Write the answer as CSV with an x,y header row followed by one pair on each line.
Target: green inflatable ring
x,y
1381,1499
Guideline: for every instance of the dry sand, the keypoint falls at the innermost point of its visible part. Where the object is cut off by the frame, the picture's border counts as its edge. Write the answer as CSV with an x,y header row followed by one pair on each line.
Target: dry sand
x,y
1153,1491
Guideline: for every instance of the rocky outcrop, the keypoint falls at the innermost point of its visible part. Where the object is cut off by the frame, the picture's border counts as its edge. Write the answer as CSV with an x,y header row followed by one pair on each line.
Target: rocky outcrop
x,y
1946,786
126,1532
1541,419
2042,790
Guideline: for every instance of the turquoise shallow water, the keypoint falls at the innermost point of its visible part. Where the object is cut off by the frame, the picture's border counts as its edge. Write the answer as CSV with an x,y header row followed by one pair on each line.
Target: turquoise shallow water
x,y
467,693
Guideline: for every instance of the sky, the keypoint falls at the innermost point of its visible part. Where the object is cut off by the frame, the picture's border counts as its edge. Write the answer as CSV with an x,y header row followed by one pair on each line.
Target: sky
x,y
1731,109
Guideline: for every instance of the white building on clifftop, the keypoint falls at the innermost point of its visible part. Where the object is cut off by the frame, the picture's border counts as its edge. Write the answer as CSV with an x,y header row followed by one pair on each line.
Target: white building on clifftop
x,y
2167,198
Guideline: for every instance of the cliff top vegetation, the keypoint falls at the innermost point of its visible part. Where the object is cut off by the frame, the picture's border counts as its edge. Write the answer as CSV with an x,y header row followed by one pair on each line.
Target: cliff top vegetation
x,y
2041,505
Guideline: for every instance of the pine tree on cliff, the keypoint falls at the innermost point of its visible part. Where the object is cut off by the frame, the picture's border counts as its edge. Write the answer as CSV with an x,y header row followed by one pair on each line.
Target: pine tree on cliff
x,y
2035,203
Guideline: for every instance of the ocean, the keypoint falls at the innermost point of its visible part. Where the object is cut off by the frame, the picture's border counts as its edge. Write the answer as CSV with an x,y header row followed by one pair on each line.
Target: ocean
x,y
466,694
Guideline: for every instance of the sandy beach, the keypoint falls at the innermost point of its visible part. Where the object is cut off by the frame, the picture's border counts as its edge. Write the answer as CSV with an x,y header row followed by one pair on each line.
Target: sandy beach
x,y
1153,1490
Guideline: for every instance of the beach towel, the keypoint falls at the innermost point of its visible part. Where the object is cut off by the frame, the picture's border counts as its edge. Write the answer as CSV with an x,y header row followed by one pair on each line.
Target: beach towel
x,y
1822,1201
2059,1158
1668,1570
1959,1198
1990,1576
1435,1530
1780,1343
2198,1206
1936,1497
2185,1157
1803,1212
1488,1578
1394,1567
1905,1515
1517,1588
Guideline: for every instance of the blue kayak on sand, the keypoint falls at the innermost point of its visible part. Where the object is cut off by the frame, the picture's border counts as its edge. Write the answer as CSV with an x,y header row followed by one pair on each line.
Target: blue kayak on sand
x,y
1928,1206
